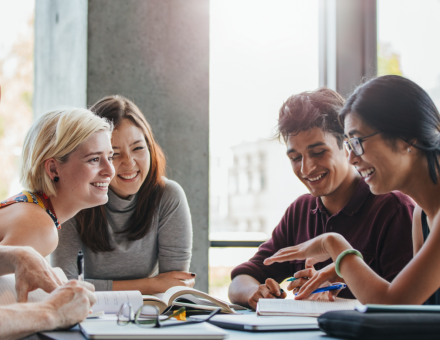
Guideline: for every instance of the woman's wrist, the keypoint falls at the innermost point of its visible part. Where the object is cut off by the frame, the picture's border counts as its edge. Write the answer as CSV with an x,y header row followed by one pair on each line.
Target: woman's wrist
x,y
335,244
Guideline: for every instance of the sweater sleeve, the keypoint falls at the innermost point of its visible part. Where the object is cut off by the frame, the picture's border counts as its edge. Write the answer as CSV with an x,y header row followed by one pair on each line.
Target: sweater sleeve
x,y
175,230
65,255
255,267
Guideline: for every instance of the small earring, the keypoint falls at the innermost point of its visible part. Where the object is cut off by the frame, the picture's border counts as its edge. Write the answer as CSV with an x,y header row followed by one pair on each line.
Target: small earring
x,y
56,179
409,150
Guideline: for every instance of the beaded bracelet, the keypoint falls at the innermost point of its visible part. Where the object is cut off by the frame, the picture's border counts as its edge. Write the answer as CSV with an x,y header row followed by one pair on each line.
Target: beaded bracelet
x,y
341,256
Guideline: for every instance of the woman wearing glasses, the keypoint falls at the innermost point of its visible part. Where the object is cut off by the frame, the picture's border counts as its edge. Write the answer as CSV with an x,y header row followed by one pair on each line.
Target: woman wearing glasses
x,y
393,132
142,238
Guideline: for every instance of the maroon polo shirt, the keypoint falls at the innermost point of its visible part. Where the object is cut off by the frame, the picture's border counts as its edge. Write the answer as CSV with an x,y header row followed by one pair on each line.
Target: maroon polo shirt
x,y
378,226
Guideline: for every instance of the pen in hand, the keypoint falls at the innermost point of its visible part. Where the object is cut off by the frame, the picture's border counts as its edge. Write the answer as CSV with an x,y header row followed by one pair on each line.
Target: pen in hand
x,y
80,265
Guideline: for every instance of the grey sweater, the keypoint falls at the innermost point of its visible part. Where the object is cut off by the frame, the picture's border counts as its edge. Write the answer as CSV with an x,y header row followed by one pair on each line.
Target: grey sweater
x,y
166,247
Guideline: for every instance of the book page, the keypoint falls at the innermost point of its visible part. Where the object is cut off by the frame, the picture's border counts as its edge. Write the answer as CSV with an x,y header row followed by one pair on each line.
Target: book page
x,y
290,306
174,292
111,301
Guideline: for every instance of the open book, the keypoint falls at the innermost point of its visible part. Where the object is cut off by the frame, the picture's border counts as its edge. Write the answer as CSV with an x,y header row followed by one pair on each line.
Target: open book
x,y
190,298
291,307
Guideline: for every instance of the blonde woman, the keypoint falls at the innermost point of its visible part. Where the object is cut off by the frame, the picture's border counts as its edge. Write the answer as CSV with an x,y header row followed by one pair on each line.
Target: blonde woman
x,y
66,167
64,307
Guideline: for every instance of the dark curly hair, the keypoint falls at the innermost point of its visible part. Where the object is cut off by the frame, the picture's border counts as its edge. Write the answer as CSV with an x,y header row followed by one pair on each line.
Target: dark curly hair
x,y
304,111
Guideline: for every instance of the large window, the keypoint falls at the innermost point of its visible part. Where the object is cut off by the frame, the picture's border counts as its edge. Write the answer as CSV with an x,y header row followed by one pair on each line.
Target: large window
x,y
16,80
408,42
261,52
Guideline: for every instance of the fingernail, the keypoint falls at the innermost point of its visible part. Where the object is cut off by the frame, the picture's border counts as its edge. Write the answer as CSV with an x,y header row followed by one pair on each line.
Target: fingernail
x,y
193,274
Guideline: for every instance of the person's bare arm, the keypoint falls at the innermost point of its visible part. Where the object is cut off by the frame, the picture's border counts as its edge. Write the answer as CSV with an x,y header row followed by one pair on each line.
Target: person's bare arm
x,y
417,233
157,284
421,274
63,308
246,291
26,224
31,270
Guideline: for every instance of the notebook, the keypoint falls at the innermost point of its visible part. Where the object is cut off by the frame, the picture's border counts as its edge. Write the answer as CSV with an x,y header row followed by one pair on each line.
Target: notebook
x,y
371,308
254,323
291,307
110,330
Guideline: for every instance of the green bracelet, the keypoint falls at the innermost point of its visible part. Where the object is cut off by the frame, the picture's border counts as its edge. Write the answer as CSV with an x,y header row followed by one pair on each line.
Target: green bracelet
x,y
341,256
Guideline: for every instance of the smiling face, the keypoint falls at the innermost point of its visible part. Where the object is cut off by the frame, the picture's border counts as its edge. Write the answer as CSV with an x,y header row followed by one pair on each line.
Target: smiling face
x,y
385,168
318,161
131,159
88,171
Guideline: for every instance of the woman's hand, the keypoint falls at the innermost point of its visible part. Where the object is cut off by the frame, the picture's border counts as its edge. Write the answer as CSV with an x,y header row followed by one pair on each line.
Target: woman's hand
x,y
315,250
317,279
163,281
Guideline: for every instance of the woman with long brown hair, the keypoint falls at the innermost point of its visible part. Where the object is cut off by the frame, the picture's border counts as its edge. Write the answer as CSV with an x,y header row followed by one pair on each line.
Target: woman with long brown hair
x,y
142,238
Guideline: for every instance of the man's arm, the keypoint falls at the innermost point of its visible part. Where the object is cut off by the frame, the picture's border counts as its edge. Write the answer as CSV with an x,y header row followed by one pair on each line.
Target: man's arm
x,y
253,280
246,291
31,270
64,307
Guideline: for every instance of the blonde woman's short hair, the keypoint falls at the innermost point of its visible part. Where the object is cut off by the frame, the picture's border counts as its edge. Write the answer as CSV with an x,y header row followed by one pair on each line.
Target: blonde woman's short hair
x,y
56,134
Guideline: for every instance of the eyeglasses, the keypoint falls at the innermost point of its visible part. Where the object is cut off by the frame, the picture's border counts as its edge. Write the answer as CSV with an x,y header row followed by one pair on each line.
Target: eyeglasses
x,y
148,317
355,144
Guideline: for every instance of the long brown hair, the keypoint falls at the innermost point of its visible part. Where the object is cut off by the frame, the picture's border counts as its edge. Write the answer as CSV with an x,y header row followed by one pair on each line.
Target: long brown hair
x,y
92,223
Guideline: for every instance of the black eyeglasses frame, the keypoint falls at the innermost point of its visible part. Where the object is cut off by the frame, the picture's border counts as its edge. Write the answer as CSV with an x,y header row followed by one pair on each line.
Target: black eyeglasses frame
x,y
349,143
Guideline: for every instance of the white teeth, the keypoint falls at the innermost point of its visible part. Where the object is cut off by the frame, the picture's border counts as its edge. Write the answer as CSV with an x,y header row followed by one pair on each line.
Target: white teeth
x,y
129,177
365,173
316,178
100,184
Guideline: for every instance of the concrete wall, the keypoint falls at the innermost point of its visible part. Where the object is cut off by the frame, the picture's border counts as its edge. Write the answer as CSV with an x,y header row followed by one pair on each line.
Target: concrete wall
x,y
60,54
155,52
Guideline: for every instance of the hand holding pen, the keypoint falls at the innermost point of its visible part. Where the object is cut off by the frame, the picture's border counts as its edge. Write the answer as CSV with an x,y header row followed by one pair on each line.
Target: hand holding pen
x,y
80,265
306,282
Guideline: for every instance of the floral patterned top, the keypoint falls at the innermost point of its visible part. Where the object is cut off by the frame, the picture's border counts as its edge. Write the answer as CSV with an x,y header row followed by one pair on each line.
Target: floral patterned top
x,y
38,198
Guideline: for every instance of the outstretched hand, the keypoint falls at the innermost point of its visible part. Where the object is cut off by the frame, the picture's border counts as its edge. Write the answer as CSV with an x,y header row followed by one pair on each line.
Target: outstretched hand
x,y
314,250
32,271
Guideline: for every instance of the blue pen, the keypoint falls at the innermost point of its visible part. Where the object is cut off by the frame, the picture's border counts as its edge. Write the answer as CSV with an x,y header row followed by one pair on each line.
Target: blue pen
x,y
328,288
292,279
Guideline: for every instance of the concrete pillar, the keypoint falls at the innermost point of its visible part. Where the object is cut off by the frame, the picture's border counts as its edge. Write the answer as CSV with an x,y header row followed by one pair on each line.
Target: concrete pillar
x,y
155,52
348,43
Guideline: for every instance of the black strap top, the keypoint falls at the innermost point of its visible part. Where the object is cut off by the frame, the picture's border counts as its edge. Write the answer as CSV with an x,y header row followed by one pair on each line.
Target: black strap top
x,y
435,298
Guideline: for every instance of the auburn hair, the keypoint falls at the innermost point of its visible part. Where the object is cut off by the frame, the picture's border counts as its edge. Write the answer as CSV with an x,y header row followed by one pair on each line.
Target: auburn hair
x,y
92,223
306,110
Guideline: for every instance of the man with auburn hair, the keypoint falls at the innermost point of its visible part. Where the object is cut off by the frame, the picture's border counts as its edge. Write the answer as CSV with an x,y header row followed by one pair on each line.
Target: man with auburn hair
x,y
339,201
